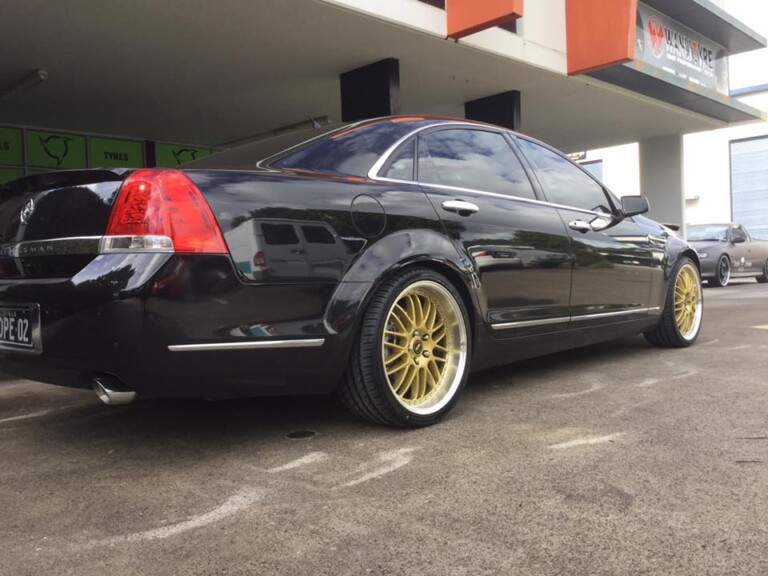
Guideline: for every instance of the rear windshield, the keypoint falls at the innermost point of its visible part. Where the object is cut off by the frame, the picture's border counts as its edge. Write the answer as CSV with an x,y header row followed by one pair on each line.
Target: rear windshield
x,y
352,152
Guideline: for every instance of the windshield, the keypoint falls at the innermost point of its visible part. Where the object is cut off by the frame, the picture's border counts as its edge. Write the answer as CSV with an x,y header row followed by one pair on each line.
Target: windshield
x,y
711,233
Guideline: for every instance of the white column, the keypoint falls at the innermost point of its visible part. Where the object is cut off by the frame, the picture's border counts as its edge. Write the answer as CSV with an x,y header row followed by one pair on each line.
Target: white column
x,y
661,178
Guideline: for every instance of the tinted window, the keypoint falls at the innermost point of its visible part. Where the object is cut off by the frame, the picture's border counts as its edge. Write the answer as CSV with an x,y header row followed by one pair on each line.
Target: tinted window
x,y
350,152
472,159
564,182
401,165
317,235
279,234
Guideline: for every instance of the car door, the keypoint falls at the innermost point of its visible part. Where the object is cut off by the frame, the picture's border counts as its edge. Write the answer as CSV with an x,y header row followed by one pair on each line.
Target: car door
x,y
614,267
517,245
742,261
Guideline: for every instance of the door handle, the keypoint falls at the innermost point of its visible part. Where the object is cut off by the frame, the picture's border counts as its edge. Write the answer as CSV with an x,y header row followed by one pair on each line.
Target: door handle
x,y
460,207
579,226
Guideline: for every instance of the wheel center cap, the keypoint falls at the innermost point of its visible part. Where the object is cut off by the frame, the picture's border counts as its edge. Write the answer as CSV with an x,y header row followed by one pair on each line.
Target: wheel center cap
x,y
417,347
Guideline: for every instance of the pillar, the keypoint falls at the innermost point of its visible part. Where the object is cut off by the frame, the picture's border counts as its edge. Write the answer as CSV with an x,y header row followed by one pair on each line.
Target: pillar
x,y
661,178
371,91
500,109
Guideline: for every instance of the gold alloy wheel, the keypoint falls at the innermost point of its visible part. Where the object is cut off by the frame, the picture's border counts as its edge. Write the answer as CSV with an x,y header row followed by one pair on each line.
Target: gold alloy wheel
x,y
424,348
688,301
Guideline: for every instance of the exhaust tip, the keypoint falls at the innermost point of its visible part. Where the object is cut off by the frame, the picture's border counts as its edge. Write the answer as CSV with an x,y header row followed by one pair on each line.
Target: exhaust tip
x,y
104,388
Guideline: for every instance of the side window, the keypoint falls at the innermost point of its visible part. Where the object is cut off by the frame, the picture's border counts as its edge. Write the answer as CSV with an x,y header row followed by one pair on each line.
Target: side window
x,y
317,235
738,233
563,182
474,159
400,167
279,234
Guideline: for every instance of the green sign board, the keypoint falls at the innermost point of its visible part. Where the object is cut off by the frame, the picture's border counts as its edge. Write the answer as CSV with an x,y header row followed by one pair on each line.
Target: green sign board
x,y
110,153
8,174
172,155
53,150
11,147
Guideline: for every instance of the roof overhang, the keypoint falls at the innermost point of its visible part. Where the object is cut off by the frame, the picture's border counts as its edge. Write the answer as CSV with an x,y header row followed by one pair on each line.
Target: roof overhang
x,y
148,70
637,77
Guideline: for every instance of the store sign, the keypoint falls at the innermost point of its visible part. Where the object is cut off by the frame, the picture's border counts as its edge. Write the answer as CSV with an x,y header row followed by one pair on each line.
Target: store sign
x,y
53,150
676,49
11,147
173,155
111,153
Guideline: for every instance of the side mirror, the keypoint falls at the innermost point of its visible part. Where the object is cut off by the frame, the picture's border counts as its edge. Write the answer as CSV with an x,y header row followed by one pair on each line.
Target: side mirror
x,y
633,205
738,239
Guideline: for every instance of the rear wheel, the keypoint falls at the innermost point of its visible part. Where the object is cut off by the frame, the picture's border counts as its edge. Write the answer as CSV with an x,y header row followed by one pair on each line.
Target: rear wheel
x,y
722,272
763,278
411,360
680,320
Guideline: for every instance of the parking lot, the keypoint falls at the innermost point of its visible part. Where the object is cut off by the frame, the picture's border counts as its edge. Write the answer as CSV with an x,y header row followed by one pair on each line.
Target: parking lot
x,y
615,459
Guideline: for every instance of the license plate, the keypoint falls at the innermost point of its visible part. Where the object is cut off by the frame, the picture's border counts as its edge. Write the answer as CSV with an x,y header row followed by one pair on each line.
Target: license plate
x,y
20,328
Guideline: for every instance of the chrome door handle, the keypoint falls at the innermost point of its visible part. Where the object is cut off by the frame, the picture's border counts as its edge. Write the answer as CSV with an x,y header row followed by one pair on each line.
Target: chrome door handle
x,y
579,226
460,207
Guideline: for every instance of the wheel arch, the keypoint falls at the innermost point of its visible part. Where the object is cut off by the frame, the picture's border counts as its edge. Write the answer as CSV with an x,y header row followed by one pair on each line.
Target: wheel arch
x,y
397,252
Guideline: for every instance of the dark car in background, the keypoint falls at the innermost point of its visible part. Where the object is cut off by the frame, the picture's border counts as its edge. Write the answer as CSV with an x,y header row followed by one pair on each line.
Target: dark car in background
x,y
726,251
382,259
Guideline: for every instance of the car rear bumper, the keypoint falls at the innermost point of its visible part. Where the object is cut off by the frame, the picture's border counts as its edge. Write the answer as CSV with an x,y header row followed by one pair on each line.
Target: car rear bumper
x,y
177,325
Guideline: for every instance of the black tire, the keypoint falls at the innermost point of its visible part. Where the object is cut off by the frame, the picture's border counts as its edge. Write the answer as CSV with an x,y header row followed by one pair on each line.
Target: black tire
x,y
763,278
722,272
680,321
403,373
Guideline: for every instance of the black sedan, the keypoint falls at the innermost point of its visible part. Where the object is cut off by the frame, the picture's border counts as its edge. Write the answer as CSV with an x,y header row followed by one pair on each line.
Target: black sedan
x,y
728,251
381,259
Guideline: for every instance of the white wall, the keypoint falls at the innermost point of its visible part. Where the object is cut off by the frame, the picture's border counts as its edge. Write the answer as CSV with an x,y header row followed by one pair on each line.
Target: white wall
x,y
621,168
707,171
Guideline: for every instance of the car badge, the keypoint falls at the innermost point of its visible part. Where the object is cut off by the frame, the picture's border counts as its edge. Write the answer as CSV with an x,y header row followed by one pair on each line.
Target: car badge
x,y
26,212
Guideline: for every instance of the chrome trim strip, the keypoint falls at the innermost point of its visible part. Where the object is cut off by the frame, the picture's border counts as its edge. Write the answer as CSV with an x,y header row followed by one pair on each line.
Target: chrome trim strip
x,y
373,173
610,314
263,345
527,323
546,321
52,247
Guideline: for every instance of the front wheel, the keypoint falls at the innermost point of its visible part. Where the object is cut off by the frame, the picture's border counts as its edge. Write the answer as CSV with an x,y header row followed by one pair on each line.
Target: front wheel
x,y
411,360
680,320
763,278
722,272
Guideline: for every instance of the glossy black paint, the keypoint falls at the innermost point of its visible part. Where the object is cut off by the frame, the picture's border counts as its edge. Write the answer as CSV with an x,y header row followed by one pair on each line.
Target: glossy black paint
x,y
307,251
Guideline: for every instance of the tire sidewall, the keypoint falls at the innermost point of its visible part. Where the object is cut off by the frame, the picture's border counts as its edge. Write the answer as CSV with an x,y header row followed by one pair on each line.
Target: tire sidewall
x,y
670,303
394,289
718,280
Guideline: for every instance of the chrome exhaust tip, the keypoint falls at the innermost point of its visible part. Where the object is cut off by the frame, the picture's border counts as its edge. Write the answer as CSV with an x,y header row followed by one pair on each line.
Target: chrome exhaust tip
x,y
104,388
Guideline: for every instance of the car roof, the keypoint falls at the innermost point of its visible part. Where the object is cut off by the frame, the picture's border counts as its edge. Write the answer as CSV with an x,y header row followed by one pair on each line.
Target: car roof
x,y
265,153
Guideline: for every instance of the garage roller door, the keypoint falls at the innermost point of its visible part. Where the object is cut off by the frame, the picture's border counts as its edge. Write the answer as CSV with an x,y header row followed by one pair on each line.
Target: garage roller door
x,y
749,185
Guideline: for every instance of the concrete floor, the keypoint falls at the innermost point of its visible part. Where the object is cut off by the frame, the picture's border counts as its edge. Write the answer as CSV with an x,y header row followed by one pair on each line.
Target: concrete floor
x,y
616,459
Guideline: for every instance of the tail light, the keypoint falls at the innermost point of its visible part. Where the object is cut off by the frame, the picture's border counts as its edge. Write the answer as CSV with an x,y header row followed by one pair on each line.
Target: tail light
x,y
259,260
162,211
